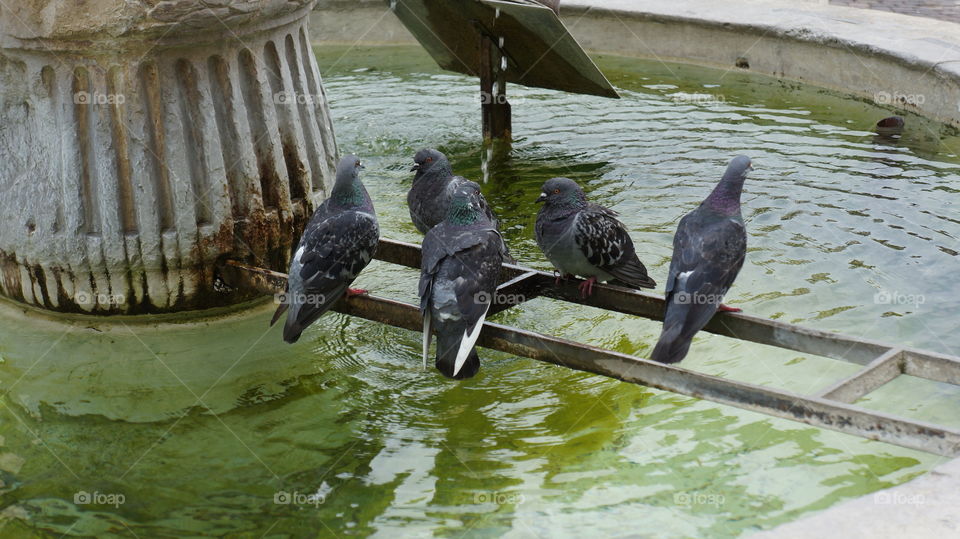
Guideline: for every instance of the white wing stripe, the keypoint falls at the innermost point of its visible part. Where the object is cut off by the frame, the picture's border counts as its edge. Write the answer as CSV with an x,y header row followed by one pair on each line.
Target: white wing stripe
x,y
467,342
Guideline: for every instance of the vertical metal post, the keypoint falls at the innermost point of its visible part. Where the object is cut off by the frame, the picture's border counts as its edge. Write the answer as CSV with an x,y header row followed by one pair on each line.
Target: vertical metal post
x,y
494,108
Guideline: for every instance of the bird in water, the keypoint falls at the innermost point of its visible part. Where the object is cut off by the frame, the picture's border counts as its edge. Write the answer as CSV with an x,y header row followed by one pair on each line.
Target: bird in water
x,y
433,187
586,239
708,252
338,242
458,280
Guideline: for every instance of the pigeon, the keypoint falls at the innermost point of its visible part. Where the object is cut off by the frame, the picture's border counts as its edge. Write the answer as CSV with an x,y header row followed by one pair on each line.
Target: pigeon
x,y
458,280
338,242
433,187
708,252
586,239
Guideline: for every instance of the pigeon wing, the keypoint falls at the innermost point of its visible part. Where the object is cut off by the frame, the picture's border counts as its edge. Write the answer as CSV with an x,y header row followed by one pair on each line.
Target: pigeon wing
x,y
707,256
605,242
332,254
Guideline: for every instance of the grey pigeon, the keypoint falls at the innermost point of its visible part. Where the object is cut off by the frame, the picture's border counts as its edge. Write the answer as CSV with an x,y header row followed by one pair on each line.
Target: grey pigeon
x,y
433,187
460,270
708,252
586,239
338,242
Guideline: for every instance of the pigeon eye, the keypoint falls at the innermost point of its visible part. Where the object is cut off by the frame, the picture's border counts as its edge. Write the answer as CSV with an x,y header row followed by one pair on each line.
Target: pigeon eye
x,y
429,159
357,163
556,191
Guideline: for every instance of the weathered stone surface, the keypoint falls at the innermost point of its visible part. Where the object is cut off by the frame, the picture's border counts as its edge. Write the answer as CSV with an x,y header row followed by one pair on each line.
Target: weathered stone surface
x,y
99,20
126,175
944,10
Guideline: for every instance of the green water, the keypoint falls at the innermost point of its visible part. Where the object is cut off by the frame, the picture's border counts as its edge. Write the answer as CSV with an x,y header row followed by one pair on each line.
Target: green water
x,y
198,428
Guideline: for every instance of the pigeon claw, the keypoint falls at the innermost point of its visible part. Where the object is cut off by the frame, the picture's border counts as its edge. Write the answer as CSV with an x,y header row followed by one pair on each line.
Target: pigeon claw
x,y
351,292
586,287
726,309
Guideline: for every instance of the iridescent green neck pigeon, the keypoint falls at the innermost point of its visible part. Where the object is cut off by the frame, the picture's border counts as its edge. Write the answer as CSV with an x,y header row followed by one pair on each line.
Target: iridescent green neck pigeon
x,y
338,242
458,280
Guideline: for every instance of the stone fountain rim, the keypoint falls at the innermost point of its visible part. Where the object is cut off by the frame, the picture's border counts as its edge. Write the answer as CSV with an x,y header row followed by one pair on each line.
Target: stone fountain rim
x,y
896,50
139,40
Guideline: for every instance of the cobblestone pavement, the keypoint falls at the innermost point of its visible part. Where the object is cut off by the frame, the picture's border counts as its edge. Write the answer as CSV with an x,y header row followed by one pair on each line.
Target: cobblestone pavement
x,y
944,10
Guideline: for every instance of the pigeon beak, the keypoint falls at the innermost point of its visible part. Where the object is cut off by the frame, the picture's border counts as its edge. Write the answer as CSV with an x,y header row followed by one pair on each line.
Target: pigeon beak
x,y
416,166
541,198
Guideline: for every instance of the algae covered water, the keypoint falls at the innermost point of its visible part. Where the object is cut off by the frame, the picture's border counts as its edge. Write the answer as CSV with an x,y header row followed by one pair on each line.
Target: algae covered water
x,y
152,429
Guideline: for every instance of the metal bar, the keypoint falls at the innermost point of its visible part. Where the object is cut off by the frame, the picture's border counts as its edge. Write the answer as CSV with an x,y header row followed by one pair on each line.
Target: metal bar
x,y
486,86
516,291
924,364
815,411
932,366
494,108
240,275
633,302
880,371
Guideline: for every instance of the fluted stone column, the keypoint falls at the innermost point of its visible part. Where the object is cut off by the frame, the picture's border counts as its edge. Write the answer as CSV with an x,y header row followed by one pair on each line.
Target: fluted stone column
x,y
143,141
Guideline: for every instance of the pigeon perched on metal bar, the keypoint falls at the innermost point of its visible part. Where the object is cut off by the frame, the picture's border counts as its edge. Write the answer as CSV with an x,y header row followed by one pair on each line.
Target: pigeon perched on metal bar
x,y
708,252
433,187
338,242
458,280
586,239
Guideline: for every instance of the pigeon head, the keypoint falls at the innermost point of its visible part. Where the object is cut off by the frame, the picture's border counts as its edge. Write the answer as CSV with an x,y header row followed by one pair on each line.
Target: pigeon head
x,y
725,197
466,204
429,159
562,193
347,190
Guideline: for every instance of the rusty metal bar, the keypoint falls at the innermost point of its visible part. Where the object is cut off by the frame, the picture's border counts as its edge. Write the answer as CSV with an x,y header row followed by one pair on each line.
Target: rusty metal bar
x,y
880,371
829,409
815,411
628,301
240,275
516,291
494,107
